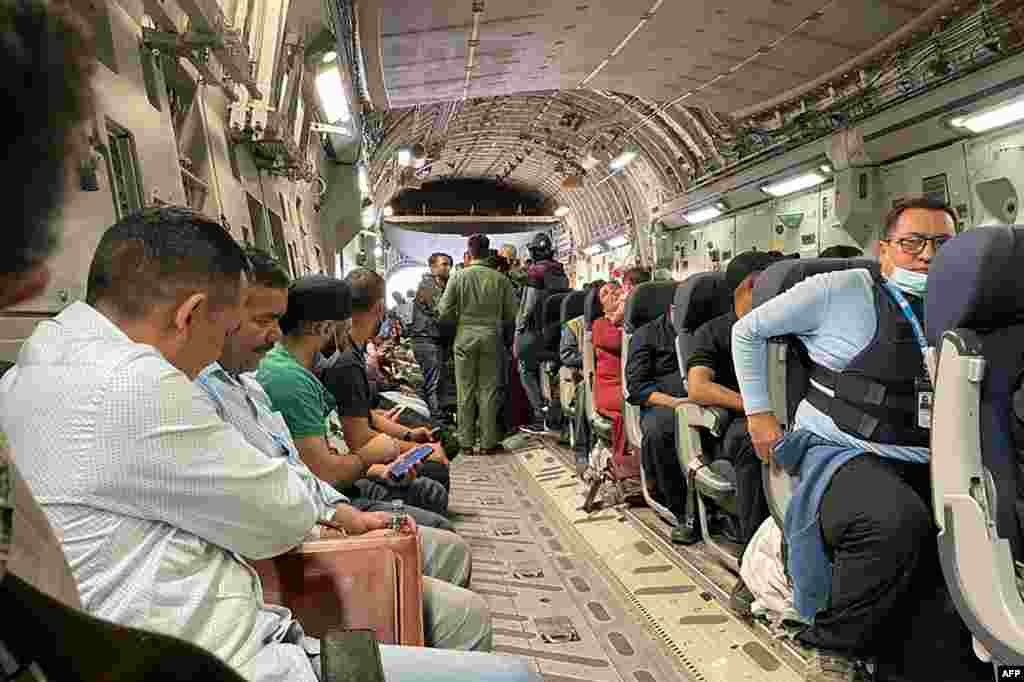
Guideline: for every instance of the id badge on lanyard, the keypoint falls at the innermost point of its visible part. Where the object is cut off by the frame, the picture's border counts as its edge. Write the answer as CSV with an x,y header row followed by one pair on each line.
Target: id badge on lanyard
x,y
925,399
923,389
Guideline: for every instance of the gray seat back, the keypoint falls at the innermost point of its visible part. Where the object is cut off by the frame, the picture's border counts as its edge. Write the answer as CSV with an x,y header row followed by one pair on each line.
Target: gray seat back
x,y
572,305
592,309
975,318
646,303
700,298
788,369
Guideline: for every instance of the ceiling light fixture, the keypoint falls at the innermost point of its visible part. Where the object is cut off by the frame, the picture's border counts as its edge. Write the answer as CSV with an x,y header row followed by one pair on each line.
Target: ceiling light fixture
x,y
702,214
616,242
995,117
562,211
794,184
332,96
625,158
329,57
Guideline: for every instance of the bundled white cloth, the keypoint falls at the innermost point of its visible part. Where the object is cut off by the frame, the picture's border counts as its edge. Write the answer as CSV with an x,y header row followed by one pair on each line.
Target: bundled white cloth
x,y
764,573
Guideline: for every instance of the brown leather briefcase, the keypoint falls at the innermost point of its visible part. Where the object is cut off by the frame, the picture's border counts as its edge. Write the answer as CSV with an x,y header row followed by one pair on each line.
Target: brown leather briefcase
x,y
372,581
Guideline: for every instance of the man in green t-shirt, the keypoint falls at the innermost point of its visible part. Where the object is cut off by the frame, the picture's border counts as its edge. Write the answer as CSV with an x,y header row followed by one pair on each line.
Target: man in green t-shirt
x,y
304,402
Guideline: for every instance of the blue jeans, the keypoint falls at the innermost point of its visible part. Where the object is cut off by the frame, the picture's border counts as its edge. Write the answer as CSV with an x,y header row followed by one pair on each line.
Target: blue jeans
x,y
379,500
420,664
433,361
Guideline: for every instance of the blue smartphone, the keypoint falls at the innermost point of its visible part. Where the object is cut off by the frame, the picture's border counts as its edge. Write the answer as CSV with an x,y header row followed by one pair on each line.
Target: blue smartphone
x,y
410,459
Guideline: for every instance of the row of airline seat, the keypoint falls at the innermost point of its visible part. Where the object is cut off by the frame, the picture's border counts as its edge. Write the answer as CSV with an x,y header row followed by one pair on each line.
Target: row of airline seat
x,y
975,320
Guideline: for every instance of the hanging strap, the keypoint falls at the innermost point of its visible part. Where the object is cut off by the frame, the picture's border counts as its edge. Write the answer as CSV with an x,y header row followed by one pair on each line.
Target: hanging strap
x,y
900,300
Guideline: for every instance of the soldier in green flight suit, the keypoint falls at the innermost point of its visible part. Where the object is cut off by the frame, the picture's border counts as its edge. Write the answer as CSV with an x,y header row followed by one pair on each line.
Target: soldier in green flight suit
x,y
477,299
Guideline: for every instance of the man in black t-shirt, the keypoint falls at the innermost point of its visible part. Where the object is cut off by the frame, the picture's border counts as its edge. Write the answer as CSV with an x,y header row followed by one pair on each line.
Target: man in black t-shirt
x,y
364,426
711,381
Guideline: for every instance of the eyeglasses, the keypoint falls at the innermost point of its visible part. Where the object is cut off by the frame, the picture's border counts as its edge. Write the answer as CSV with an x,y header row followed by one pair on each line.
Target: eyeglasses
x,y
913,246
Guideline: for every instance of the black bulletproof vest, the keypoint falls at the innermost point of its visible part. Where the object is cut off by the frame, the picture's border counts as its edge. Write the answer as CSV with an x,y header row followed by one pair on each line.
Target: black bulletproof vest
x,y
876,396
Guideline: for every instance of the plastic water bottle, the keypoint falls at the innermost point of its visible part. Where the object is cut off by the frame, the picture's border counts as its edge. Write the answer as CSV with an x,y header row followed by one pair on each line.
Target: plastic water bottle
x,y
397,512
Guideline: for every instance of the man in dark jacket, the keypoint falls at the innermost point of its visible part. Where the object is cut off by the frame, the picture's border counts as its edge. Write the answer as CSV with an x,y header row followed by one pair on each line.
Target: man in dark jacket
x,y
655,384
544,277
429,349
711,381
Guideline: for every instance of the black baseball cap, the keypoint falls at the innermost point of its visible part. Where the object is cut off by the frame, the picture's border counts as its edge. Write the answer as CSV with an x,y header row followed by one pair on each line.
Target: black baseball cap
x,y
317,297
746,264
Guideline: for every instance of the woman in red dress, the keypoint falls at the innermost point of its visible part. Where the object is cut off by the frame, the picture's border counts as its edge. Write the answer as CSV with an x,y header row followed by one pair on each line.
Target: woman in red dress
x,y
607,334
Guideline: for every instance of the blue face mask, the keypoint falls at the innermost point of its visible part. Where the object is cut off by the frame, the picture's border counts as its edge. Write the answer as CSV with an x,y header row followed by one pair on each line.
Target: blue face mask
x,y
910,282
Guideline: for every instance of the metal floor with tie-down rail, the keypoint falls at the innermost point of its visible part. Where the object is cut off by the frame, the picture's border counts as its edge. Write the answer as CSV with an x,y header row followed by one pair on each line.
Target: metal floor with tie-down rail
x,y
600,597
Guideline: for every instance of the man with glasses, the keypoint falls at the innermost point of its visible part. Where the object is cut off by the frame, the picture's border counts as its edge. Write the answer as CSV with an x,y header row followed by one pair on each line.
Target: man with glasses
x,y
859,524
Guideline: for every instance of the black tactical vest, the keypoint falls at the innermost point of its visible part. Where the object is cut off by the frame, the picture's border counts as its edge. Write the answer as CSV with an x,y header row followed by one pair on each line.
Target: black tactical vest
x,y
876,396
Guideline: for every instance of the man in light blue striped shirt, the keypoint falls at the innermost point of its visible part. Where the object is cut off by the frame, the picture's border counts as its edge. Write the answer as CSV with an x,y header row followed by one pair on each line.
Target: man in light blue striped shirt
x,y
454,617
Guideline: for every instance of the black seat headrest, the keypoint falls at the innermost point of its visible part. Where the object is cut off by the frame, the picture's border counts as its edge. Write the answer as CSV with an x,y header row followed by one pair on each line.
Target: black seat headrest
x,y
648,302
592,308
572,305
553,308
781,276
700,298
974,282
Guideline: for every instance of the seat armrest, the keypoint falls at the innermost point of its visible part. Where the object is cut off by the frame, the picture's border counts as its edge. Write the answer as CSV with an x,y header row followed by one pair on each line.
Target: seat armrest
x,y
371,581
714,419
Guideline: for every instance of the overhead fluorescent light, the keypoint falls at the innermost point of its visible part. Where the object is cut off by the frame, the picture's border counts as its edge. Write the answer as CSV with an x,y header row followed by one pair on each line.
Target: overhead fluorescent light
x,y
995,117
332,96
594,249
404,157
795,184
616,242
562,211
329,57
388,211
317,127
702,214
622,160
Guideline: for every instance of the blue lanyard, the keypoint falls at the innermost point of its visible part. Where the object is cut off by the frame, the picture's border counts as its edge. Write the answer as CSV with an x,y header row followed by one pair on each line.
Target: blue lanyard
x,y
279,440
908,312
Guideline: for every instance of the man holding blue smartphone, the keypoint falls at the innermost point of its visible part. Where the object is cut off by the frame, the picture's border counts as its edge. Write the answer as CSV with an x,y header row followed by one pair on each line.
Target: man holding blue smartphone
x,y
366,427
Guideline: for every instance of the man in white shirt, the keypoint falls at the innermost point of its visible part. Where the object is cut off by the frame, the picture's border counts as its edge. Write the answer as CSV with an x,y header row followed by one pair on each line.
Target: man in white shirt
x,y
154,496
454,617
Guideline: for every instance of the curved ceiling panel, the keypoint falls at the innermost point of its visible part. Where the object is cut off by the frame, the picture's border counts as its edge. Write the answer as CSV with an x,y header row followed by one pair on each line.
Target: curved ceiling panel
x,y
541,95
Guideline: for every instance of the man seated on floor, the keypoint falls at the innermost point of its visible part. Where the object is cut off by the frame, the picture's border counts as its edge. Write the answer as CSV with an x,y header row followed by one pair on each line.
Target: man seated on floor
x,y
305,403
711,381
454,617
154,496
357,400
